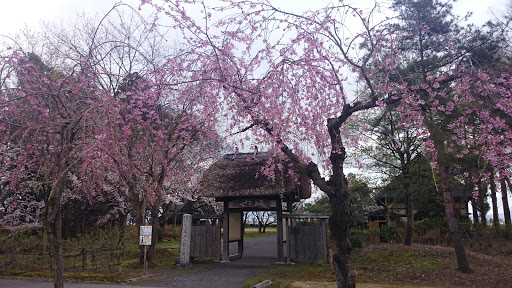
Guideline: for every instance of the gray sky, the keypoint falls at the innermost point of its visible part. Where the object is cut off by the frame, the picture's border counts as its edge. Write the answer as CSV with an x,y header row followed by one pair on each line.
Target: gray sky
x,y
14,15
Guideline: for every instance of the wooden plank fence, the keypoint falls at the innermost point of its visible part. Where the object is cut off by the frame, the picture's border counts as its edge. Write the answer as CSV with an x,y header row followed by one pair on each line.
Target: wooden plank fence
x,y
307,242
205,241
92,258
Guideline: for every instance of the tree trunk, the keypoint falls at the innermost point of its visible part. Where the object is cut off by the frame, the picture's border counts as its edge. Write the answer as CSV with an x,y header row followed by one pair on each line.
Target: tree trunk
x,y
495,213
120,240
155,233
462,260
506,209
409,231
53,215
339,224
139,210
474,205
482,196
58,260
340,220
163,219
176,216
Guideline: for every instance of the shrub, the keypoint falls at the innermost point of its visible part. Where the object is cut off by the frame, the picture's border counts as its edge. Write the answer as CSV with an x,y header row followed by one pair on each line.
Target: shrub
x,y
389,234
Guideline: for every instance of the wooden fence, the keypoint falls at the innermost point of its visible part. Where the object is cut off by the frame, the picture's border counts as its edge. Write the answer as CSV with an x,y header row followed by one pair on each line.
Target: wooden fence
x,y
205,241
92,258
307,242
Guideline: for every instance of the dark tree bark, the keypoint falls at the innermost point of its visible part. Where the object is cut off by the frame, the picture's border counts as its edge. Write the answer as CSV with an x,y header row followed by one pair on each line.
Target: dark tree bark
x,y
409,231
482,195
339,224
120,240
475,211
506,208
462,260
53,215
163,219
339,199
139,209
495,213
469,186
157,231
445,171
58,260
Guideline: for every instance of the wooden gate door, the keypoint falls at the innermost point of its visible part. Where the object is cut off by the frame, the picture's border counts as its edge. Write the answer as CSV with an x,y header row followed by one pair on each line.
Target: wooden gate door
x,y
306,242
205,239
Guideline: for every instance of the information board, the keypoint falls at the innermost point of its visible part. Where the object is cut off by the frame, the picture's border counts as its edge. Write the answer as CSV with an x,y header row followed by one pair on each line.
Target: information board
x,y
146,230
145,235
145,240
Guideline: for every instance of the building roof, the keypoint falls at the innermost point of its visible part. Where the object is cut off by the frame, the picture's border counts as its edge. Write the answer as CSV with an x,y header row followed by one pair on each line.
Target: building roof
x,y
241,175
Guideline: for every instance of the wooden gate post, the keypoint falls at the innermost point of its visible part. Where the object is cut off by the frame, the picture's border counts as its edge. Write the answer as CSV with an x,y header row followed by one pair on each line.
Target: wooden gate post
x,y
225,241
280,249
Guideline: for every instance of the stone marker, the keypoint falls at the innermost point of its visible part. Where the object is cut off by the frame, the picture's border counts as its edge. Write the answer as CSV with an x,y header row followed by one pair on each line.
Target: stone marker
x,y
264,284
186,230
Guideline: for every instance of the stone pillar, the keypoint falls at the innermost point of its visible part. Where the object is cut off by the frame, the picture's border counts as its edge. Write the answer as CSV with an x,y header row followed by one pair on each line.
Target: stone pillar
x,y
186,231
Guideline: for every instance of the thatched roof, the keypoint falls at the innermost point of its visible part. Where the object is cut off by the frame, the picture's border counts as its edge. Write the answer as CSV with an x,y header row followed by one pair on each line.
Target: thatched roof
x,y
240,175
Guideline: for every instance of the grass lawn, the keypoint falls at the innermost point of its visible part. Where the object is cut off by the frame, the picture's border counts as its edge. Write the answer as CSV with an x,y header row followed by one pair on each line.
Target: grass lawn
x,y
396,265
252,232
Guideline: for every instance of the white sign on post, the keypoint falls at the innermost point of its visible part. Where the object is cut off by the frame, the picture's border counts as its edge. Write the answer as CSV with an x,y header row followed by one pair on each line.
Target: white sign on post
x,y
145,240
145,235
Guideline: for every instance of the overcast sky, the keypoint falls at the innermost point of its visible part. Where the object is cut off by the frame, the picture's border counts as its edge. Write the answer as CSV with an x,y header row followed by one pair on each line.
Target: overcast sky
x,y
15,14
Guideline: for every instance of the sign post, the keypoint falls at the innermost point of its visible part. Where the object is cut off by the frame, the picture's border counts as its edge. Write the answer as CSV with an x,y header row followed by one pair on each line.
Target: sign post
x,y
145,239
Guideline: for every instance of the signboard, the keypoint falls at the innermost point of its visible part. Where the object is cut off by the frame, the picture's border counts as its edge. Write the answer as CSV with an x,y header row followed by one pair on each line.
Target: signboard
x,y
145,235
235,226
146,230
251,203
145,240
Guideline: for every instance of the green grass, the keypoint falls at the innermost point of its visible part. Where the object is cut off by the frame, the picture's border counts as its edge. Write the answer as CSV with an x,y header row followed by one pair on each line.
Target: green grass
x,y
283,275
252,232
374,269
389,261
168,244
103,276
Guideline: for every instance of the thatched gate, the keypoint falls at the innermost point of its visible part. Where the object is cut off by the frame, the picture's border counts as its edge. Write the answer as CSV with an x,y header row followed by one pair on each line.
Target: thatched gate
x,y
237,180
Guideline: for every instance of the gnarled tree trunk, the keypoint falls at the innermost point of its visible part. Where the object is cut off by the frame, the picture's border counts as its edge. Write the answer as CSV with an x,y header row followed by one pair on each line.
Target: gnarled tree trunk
x,y
445,171
462,260
339,199
339,224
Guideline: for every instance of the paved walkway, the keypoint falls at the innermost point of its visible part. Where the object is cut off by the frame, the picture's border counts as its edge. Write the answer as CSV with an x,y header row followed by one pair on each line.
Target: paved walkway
x,y
259,254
